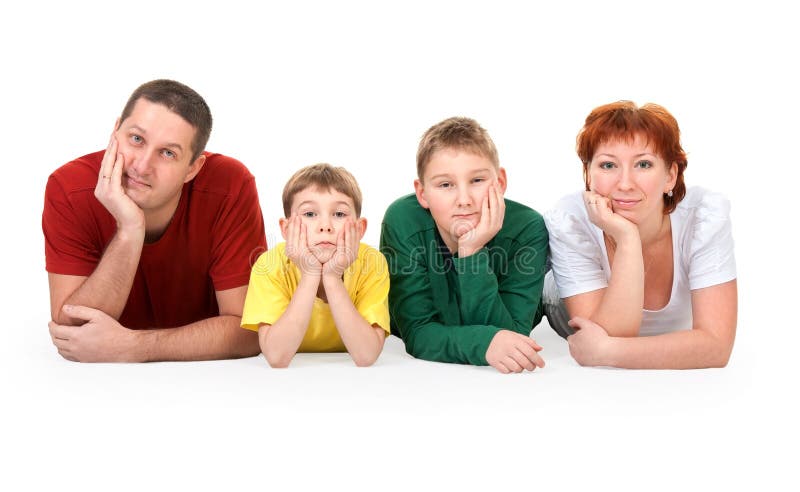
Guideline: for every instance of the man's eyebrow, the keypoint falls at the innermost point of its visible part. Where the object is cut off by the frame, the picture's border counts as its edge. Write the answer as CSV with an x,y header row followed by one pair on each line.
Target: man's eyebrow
x,y
169,145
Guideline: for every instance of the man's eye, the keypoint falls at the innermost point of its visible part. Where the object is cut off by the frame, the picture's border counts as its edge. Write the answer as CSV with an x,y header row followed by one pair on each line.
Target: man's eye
x,y
169,154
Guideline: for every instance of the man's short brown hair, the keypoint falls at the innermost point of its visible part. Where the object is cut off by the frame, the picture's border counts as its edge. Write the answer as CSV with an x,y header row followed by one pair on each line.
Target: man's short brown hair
x,y
325,177
457,133
181,100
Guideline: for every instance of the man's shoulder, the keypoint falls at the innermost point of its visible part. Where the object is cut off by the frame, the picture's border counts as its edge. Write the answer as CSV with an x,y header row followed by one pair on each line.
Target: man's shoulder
x,y
221,174
79,174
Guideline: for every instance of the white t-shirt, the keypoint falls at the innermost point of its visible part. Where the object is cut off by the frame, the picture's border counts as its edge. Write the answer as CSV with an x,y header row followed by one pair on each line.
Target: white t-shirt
x,y
702,246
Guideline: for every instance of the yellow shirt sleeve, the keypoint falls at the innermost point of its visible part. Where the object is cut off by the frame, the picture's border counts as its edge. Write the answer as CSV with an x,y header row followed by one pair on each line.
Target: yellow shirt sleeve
x,y
273,280
370,287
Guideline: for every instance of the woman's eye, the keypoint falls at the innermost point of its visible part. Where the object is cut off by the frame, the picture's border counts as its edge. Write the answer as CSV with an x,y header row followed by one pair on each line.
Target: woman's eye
x,y
136,139
644,164
606,165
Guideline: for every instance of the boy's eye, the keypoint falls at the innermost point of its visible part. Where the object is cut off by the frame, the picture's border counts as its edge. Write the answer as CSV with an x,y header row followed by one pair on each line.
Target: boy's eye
x,y
478,180
445,185
644,164
308,214
340,215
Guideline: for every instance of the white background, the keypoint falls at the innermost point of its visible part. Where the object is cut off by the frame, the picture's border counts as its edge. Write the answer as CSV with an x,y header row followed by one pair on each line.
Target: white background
x,y
356,84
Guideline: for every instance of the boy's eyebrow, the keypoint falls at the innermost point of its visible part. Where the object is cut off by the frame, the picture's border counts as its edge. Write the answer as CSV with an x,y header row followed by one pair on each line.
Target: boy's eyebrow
x,y
314,203
450,175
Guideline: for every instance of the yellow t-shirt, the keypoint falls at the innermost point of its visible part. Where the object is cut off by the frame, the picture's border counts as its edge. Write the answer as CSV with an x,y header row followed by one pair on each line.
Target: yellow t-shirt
x,y
274,279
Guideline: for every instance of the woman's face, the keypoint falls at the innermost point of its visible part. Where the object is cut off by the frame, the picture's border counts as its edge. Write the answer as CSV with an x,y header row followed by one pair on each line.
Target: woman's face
x,y
633,177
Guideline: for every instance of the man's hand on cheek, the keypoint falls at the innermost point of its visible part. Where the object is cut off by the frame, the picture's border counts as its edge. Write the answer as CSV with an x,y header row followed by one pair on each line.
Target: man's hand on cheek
x,y
111,194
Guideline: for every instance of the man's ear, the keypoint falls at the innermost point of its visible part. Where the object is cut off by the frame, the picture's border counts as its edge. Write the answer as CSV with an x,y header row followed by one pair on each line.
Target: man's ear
x,y
361,227
502,181
419,189
195,168
284,223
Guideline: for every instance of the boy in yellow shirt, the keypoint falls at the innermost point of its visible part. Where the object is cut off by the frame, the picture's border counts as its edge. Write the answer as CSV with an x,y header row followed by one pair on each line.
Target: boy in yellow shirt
x,y
321,290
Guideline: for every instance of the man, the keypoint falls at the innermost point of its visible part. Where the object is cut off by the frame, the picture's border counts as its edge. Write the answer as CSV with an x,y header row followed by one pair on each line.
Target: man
x,y
148,245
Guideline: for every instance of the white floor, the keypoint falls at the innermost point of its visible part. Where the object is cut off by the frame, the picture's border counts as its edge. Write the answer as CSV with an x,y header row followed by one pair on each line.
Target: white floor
x,y
399,424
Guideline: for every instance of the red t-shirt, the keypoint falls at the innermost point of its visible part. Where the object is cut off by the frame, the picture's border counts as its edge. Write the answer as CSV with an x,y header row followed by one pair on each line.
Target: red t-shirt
x,y
215,236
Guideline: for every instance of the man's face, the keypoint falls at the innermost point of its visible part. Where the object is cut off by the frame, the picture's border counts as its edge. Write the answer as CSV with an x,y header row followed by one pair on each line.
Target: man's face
x,y
156,146
454,187
324,213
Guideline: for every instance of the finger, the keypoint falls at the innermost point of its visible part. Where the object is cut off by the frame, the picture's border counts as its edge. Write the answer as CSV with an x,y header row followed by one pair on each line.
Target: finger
x,y
65,353
493,204
110,155
501,205
532,355
302,236
115,180
511,364
521,358
500,367
60,332
530,342
82,312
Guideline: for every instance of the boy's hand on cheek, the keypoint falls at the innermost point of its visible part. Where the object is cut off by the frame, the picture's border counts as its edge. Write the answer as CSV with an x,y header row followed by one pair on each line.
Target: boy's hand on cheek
x,y
493,211
297,248
510,351
347,242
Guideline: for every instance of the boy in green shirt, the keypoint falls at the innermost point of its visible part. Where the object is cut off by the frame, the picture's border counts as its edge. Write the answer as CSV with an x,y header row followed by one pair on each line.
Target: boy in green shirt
x,y
466,265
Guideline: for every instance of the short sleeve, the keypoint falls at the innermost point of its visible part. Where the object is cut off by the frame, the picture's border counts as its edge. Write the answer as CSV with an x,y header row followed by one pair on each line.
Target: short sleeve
x,y
711,252
69,248
576,257
372,292
269,291
238,237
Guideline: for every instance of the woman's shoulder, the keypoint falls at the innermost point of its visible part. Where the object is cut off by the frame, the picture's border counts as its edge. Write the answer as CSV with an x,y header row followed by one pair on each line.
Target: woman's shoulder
x,y
568,213
703,203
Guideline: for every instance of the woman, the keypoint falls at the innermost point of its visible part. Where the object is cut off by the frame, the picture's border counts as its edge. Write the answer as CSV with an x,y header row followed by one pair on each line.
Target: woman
x,y
639,254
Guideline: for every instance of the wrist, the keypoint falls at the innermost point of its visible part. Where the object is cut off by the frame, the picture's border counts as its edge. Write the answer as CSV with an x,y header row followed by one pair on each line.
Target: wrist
x,y
131,232
142,345
332,278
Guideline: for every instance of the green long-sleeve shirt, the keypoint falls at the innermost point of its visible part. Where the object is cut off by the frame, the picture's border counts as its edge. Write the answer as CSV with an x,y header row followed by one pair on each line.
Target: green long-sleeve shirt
x,y
449,309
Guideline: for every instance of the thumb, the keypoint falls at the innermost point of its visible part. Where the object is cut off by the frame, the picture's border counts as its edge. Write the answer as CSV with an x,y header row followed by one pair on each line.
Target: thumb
x,y
575,323
83,312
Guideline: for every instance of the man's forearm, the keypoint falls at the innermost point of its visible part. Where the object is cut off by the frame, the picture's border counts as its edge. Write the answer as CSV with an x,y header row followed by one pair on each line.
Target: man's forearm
x,y
108,287
220,337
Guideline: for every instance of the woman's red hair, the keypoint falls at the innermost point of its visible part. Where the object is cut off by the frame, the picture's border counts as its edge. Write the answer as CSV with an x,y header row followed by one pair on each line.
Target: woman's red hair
x,y
623,120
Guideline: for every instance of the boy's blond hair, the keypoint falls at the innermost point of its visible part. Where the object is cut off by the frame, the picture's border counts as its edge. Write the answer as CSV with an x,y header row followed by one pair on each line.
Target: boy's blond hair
x,y
325,177
457,133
